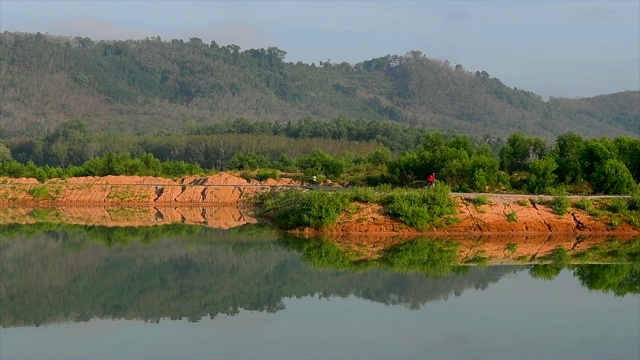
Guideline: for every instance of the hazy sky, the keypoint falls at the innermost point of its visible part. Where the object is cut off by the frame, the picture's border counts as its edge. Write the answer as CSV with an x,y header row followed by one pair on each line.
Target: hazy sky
x,y
552,48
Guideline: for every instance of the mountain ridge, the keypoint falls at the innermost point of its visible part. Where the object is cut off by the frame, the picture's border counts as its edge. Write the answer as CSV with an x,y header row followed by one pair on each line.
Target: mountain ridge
x,y
151,85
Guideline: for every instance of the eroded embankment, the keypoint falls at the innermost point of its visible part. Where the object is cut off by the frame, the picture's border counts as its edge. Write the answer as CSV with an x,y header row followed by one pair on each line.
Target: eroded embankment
x,y
114,200
217,189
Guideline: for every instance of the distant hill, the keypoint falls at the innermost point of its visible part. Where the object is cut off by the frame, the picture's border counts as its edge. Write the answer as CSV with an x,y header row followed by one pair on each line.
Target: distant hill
x,y
147,86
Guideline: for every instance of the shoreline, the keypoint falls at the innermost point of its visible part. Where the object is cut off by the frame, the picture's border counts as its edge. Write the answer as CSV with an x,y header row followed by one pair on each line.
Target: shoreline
x,y
160,199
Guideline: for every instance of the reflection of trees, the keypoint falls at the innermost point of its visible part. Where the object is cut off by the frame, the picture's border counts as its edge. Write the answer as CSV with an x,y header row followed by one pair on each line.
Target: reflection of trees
x,y
60,276
621,279
432,257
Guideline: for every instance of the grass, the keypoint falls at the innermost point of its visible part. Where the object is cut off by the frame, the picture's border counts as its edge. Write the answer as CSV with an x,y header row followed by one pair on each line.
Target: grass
x,y
40,193
560,204
480,200
523,202
512,217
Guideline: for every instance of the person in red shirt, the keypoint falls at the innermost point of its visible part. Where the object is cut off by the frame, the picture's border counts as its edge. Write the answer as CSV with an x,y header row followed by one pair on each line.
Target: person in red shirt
x,y
431,179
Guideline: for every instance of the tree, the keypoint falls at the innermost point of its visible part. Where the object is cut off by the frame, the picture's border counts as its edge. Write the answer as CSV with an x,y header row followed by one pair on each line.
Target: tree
x,y
519,151
595,153
541,176
612,177
321,163
5,153
567,153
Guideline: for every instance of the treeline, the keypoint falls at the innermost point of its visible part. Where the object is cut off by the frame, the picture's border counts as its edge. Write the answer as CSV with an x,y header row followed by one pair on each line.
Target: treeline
x,y
151,85
355,151
572,164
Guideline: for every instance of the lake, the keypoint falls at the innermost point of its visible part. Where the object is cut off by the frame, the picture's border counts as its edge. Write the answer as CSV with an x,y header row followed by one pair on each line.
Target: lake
x,y
82,292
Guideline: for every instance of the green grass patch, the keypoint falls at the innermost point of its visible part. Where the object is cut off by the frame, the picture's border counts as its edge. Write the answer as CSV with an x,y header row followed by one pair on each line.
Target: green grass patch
x,y
512,216
41,193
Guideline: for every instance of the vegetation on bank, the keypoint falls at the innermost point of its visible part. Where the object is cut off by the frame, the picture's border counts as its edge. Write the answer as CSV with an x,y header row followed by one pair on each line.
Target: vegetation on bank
x,y
419,208
521,163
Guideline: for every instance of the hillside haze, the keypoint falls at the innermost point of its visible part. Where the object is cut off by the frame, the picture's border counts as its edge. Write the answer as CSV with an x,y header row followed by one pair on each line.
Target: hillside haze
x,y
149,86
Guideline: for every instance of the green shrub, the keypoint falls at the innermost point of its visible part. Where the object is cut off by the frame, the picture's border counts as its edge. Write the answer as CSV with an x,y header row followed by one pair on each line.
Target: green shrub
x,y
618,205
481,200
583,204
560,204
420,208
40,193
293,208
363,194
264,174
512,216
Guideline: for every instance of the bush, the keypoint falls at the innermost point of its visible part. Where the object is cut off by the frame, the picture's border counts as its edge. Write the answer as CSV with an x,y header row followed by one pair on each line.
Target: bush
x,y
264,174
512,216
618,205
583,204
293,208
560,204
420,208
363,194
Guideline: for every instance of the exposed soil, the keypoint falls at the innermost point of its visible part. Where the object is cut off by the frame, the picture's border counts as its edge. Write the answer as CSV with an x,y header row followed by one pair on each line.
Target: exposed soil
x,y
222,200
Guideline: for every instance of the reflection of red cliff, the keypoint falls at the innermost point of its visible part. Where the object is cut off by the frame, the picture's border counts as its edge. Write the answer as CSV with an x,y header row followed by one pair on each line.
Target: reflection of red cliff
x,y
222,217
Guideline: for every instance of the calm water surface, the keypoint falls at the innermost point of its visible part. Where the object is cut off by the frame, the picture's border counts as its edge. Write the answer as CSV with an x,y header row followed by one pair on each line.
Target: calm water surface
x,y
94,293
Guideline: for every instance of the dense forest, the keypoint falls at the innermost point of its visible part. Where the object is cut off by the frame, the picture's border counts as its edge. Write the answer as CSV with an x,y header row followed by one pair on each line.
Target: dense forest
x,y
153,86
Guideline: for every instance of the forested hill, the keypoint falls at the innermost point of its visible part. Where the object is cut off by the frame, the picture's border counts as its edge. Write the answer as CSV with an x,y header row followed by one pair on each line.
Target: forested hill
x,y
149,86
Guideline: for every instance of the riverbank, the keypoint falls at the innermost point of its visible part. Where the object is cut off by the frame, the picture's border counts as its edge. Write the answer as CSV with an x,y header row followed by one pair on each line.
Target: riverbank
x,y
113,200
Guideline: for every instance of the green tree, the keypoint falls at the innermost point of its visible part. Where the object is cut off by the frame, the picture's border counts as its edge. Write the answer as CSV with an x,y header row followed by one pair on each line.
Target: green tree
x,y
567,152
595,153
5,153
519,151
612,177
541,177
321,163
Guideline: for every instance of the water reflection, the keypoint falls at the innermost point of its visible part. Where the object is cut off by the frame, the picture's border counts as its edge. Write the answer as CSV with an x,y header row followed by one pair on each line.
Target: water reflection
x,y
54,273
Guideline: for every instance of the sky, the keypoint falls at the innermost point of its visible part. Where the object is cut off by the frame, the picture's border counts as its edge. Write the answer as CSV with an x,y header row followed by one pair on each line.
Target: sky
x,y
569,49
